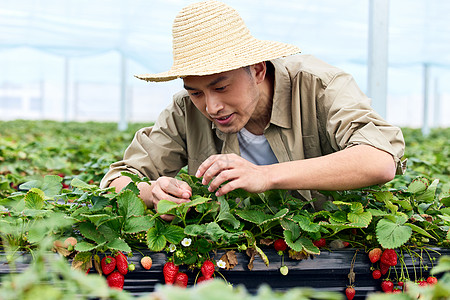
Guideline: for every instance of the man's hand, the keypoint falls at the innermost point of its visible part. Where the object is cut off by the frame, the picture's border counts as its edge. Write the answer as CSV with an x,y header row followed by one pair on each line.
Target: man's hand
x,y
236,171
170,189
167,188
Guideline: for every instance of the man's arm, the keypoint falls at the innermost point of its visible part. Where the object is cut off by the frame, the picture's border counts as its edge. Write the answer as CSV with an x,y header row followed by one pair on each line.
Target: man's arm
x,y
354,167
351,168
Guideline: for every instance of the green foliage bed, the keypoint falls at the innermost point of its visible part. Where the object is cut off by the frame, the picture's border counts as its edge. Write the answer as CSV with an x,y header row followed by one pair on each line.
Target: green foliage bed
x,y
49,175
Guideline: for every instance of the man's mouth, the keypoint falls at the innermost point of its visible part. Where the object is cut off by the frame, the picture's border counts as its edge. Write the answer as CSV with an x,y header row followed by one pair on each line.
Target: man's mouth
x,y
224,120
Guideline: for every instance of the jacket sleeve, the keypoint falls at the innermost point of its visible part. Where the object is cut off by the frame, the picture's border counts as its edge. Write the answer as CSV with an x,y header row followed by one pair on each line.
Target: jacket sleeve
x,y
350,120
155,151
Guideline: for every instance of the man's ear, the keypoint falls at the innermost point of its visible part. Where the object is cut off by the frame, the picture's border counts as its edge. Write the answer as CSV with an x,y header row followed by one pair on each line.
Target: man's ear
x,y
259,71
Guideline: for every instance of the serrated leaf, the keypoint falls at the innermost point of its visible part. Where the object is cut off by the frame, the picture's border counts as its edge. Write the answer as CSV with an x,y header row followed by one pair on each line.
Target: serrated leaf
x,y
392,234
429,194
118,244
130,204
225,215
294,244
50,185
137,224
360,219
357,208
77,183
86,246
405,204
383,196
339,216
34,199
292,227
259,217
309,247
195,229
214,231
155,240
306,224
99,203
90,231
173,234
166,206
418,185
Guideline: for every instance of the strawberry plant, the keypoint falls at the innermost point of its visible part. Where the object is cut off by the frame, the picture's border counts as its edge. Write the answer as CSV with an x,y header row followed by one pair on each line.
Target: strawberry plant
x,y
48,190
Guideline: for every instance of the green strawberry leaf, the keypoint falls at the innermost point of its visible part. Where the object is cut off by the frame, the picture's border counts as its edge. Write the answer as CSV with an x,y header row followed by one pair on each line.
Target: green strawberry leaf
x,y
34,199
292,227
119,245
137,224
86,246
214,231
90,231
362,219
309,247
99,203
306,224
173,234
429,194
259,217
50,185
155,240
195,229
130,204
166,207
393,234
418,185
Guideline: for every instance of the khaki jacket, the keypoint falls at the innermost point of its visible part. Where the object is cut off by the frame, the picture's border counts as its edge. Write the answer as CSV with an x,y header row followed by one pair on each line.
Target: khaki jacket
x,y
317,109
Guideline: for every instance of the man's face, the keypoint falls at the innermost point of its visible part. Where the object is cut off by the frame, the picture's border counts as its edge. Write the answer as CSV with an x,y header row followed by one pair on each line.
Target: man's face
x,y
229,99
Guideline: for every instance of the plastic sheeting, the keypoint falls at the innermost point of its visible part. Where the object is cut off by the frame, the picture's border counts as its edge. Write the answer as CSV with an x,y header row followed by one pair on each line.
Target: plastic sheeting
x,y
140,30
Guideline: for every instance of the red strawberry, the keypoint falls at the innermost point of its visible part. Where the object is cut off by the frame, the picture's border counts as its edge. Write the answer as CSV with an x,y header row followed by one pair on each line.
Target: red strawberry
x,y
207,269
383,268
396,291
375,255
387,286
320,243
376,274
202,278
181,279
422,283
431,280
350,292
280,245
121,263
345,244
401,283
170,272
115,280
389,257
146,262
108,264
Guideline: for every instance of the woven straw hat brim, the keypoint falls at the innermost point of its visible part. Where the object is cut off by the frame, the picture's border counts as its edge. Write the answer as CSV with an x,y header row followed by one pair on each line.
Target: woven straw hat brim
x,y
209,38
249,54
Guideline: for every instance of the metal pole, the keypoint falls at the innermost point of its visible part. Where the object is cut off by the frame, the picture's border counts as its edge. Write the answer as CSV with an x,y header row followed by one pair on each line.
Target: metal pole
x,y
378,54
66,89
425,125
437,104
123,123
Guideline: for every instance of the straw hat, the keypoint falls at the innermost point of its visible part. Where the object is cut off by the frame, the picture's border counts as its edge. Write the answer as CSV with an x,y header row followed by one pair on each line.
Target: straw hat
x,y
210,37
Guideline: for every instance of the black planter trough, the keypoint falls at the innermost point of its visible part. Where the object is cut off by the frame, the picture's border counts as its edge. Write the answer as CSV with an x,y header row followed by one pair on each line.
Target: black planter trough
x,y
325,272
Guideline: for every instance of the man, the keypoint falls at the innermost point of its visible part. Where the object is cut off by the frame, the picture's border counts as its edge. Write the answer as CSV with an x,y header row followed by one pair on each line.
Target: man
x,y
256,115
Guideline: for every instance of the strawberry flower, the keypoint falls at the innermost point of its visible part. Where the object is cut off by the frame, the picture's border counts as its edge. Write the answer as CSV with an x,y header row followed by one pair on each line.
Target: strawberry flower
x,y
186,242
172,248
221,264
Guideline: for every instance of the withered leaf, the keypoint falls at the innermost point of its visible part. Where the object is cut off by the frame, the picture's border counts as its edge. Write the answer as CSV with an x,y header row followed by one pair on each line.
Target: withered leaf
x,y
251,253
266,242
230,259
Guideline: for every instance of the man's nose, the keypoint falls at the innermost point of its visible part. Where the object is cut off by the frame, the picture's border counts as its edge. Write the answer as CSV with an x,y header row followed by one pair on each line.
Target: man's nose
x,y
213,105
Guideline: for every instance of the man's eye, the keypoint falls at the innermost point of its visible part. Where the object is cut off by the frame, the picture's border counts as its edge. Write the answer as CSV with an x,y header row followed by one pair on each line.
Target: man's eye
x,y
220,88
195,94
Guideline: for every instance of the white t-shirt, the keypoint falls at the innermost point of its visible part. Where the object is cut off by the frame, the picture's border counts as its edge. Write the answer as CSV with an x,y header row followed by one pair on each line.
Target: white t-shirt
x,y
255,148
